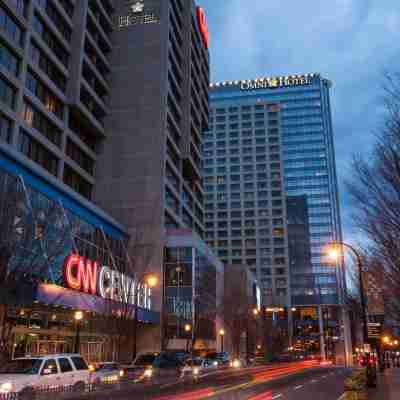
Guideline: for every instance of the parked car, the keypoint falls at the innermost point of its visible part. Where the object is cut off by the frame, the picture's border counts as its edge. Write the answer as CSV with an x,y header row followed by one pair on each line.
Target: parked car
x,y
197,366
151,365
106,372
141,367
27,375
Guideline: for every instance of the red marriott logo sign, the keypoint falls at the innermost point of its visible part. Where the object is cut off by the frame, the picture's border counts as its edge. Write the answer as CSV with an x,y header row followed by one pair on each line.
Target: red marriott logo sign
x,y
86,276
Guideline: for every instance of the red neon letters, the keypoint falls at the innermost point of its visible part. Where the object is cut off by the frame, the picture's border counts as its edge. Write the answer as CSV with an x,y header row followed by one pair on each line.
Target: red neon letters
x,y
201,18
81,274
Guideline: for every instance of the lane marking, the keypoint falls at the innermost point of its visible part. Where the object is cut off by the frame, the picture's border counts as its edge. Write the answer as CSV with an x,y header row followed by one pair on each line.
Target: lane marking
x,y
314,381
277,396
298,387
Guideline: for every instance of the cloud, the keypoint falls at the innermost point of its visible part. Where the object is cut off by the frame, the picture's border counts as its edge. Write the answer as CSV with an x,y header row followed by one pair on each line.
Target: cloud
x,y
350,42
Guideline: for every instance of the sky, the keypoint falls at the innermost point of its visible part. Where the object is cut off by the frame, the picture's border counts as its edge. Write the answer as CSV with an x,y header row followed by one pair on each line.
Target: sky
x,y
353,43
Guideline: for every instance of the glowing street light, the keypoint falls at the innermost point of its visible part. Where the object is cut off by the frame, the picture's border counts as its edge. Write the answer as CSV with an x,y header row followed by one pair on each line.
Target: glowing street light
x,y
222,334
188,328
386,339
78,316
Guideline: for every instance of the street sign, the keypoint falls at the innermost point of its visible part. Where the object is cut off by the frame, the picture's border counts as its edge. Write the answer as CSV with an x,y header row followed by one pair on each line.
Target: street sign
x,y
374,330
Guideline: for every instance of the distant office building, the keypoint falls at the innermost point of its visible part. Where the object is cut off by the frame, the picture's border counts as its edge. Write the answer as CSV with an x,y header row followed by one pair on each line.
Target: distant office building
x,y
245,198
240,121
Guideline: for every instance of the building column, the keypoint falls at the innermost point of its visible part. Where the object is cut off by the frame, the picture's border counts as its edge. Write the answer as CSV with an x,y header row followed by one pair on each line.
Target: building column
x,y
290,326
348,347
321,333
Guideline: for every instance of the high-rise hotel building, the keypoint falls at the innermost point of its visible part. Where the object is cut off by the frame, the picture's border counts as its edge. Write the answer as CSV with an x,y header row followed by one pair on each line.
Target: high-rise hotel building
x,y
269,167
102,108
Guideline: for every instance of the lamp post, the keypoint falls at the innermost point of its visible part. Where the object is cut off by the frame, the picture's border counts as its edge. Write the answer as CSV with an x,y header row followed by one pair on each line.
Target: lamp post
x,y
222,334
151,280
334,253
188,328
78,316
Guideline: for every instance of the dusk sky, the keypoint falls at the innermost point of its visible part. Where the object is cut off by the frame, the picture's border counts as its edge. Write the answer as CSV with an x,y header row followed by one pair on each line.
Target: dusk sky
x,y
350,42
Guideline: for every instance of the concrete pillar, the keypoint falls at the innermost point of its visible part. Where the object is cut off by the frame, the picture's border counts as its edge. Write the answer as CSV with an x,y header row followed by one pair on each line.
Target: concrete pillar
x,y
321,333
348,347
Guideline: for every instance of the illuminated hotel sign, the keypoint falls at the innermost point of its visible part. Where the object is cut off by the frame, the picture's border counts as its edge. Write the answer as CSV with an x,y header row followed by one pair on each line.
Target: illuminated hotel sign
x,y
87,276
137,15
279,82
201,19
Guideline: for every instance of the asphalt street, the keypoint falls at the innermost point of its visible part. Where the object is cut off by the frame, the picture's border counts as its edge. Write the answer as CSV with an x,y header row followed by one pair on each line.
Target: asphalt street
x,y
293,381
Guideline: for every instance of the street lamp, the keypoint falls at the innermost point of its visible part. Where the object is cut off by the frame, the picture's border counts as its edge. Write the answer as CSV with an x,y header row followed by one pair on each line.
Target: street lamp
x,y
78,316
188,328
222,334
151,280
334,253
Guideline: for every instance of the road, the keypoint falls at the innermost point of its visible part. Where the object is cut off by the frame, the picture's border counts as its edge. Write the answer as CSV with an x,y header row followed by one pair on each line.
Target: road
x,y
292,381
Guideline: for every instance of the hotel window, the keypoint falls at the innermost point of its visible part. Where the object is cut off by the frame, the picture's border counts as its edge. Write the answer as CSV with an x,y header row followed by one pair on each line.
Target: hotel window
x,y
77,182
49,100
50,39
37,120
11,29
20,6
5,129
7,94
74,152
38,57
56,18
38,153
8,60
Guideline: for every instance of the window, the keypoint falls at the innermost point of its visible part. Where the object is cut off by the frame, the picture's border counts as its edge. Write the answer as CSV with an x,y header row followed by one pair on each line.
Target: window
x,y
8,60
38,57
56,17
80,363
20,6
11,29
7,94
50,39
38,153
49,368
37,120
77,182
5,129
49,100
65,365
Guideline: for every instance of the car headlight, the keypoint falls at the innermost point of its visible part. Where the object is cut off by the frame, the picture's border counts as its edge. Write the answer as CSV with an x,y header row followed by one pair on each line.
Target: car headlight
x,y
215,363
148,373
6,387
196,371
121,373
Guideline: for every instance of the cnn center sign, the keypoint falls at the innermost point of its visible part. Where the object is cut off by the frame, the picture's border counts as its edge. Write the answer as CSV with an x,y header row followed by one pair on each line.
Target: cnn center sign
x,y
84,275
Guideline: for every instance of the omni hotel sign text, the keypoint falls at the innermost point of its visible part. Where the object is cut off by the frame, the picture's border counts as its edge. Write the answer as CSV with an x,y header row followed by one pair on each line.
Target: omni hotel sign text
x,y
281,82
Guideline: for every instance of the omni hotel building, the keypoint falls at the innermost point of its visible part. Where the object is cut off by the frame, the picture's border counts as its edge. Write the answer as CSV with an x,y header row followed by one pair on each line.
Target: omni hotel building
x,y
271,191
102,108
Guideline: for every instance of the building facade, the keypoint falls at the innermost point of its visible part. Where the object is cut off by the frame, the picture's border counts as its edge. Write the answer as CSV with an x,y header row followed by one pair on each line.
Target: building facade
x,y
308,158
245,198
102,107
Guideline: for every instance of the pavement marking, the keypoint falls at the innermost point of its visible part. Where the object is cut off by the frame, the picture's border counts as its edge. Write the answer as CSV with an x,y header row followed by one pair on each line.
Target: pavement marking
x,y
298,387
314,381
277,396
342,397
324,377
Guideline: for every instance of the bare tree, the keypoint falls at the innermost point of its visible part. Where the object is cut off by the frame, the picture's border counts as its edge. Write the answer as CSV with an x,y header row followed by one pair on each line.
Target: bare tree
x,y
33,238
375,190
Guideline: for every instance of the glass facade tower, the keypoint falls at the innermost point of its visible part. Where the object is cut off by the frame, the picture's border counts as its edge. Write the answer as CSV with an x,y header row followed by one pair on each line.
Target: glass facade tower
x,y
309,170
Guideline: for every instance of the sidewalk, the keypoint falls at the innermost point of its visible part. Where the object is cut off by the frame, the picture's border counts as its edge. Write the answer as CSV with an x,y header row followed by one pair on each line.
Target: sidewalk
x,y
388,386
